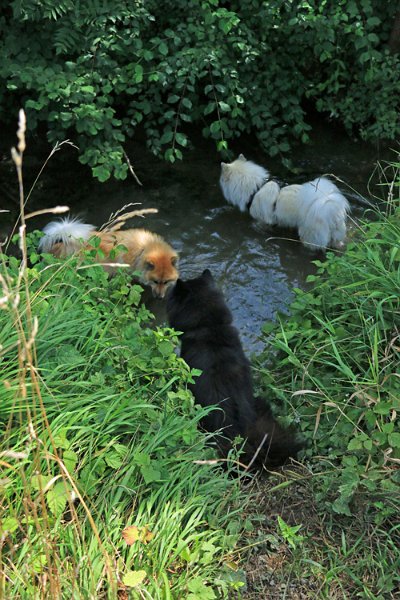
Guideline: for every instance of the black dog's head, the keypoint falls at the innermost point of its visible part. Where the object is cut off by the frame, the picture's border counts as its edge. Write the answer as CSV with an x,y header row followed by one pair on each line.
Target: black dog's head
x,y
196,303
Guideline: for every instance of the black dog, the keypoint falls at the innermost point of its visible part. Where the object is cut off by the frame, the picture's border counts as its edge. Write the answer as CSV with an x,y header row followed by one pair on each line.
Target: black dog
x,y
210,343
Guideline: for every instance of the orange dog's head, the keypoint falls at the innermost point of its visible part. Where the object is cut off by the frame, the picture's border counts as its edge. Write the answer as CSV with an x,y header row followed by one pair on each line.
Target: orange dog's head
x,y
159,269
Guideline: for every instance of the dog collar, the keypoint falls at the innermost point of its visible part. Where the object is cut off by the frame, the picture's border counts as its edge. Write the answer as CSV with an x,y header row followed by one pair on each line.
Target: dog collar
x,y
251,198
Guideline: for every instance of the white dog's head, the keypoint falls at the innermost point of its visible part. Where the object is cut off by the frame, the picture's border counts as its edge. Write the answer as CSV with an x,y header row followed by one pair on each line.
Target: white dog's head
x,y
239,179
227,168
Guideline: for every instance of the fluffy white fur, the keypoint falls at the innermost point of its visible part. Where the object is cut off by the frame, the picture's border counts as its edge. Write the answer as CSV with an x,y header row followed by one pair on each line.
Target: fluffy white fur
x,y
317,209
67,231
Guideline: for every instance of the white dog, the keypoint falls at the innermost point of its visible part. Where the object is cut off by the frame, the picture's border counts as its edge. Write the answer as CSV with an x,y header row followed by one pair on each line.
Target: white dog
x,y
317,209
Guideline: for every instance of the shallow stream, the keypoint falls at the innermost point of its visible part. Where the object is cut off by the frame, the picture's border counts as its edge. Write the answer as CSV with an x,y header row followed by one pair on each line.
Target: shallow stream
x,y
257,267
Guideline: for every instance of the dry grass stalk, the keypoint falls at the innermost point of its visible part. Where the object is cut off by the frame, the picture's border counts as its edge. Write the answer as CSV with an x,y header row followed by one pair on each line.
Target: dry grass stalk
x,y
27,326
128,162
57,210
119,218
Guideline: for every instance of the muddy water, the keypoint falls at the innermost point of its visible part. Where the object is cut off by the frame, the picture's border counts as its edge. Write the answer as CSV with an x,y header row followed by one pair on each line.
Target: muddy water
x,y
257,267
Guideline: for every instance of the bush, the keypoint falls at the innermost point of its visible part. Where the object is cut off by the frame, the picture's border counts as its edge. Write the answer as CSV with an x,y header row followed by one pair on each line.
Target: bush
x,y
99,71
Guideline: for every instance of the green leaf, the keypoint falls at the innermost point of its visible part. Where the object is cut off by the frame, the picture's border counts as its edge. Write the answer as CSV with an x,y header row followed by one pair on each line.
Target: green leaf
x,y
222,145
209,108
39,561
341,506
215,127
56,498
163,48
224,106
70,458
87,89
181,139
9,525
166,137
150,474
284,147
141,458
185,554
134,578
138,74
60,439
373,21
354,444
113,459
165,347
40,481
394,440
199,590
187,103
102,173
169,155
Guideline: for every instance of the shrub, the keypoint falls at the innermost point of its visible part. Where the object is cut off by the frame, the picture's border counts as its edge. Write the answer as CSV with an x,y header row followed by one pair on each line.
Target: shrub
x,y
99,71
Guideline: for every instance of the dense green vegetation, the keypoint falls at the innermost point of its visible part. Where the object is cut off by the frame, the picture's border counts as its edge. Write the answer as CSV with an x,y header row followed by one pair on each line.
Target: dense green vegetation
x,y
107,486
337,357
99,71
94,407
339,354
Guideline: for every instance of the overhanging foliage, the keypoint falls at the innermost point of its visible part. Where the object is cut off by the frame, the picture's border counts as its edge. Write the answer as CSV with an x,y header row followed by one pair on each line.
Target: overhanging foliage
x,y
96,71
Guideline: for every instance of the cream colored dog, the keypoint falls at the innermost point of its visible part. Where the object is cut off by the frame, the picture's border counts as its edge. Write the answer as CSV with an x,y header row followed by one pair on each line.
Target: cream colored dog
x,y
317,209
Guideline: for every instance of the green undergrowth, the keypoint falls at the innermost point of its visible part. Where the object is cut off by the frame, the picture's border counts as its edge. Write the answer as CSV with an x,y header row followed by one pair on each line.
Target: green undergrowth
x,y
337,357
99,436
338,354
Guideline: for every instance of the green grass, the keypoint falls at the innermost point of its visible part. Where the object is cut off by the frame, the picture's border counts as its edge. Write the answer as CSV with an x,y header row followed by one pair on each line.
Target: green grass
x,y
100,440
99,432
336,357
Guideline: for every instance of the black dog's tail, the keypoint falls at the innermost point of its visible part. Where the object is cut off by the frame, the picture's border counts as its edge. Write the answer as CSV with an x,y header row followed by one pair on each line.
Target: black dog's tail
x,y
268,443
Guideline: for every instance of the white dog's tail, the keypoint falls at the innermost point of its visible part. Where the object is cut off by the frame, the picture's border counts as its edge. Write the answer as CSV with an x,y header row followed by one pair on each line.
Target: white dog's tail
x,y
324,223
68,232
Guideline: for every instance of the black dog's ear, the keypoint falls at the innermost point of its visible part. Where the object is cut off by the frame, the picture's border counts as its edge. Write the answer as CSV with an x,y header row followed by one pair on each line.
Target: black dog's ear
x,y
180,287
206,274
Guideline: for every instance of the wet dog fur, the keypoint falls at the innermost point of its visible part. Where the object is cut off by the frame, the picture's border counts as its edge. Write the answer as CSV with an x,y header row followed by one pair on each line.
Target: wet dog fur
x,y
316,209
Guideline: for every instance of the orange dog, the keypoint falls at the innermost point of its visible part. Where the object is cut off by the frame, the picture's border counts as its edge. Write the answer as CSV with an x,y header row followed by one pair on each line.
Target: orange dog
x,y
145,252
